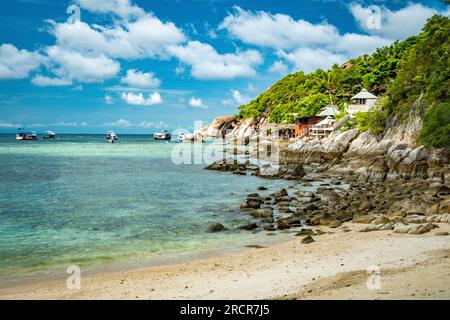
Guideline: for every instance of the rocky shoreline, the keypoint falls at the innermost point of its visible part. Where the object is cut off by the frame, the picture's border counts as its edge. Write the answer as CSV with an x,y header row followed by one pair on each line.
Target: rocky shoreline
x,y
385,182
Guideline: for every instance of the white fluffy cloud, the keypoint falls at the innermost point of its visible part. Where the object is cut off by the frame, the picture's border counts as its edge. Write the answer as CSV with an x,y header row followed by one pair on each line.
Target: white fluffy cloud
x,y
140,100
354,45
17,64
140,79
237,98
121,8
72,65
279,67
44,81
278,31
395,25
207,64
145,37
310,46
197,103
68,66
309,60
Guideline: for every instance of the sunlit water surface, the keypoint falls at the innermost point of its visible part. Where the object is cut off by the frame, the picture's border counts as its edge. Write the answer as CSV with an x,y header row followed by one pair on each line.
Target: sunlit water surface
x,y
79,200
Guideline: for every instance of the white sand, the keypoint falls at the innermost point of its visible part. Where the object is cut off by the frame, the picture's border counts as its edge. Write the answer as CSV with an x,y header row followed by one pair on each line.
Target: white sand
x,y
335,266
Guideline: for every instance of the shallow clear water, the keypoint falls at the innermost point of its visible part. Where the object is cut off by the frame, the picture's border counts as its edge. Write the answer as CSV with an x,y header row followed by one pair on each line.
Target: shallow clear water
x,y
80,200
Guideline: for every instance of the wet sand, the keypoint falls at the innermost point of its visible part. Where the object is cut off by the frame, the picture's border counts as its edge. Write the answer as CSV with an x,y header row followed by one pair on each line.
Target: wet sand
x,y
333,267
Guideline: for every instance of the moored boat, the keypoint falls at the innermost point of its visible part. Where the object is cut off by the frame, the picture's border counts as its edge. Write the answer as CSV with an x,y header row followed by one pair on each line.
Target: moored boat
x,y
165,135
49,135
26,135
111,136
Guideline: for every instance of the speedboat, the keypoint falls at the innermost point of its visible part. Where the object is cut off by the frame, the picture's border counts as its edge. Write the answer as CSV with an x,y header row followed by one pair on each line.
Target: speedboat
x,y
49,135
165,135
111,137
26,135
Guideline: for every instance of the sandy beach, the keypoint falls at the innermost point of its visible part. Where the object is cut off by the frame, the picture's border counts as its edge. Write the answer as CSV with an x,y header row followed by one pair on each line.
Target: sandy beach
x,y
333,267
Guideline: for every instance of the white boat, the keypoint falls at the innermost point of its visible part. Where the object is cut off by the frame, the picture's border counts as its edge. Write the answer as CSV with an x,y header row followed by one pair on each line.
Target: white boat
x,y
111,136
49,135
162,135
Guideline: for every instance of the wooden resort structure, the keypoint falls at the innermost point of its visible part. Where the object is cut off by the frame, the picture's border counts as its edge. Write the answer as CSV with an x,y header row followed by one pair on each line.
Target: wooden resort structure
x,y
323,124
304,123
362,102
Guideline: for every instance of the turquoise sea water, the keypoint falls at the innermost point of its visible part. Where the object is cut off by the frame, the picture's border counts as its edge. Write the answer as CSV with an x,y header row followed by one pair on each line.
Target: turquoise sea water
x,y
80,200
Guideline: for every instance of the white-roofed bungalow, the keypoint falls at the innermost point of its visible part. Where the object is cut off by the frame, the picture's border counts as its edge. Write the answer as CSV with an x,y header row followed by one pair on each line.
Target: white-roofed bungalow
x,y
362,102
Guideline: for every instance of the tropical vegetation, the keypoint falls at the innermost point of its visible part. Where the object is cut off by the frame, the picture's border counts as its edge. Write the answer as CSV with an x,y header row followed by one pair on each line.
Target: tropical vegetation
x,y
412,77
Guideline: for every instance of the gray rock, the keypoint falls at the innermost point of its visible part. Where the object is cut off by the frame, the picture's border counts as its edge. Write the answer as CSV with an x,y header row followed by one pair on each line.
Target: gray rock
x,y
283,225
262,213
268,227
381,220
282,193
268,171
335,224
311,206
251,203
308,240
329,196
423,228
305,232
216,227
249,226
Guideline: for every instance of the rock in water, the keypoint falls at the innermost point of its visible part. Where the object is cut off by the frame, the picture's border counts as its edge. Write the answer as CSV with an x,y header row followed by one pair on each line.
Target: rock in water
x,y
249,226
307,240
253,201
282,193
216,227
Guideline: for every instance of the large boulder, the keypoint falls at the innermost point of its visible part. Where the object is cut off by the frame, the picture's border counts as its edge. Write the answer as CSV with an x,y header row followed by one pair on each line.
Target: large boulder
x,y
268,171
251,203
292,172
262,213
329,196
416,229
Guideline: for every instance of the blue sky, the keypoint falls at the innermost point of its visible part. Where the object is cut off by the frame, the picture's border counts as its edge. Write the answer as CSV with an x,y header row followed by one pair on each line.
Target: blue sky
x,y
141,66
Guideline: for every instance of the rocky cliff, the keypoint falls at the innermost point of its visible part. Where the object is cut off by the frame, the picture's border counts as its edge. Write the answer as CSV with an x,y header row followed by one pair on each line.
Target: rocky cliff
x,y
352,154
365,156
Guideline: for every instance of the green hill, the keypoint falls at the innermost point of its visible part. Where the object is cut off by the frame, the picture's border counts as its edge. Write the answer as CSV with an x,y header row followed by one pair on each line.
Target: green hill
x,y
399,74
